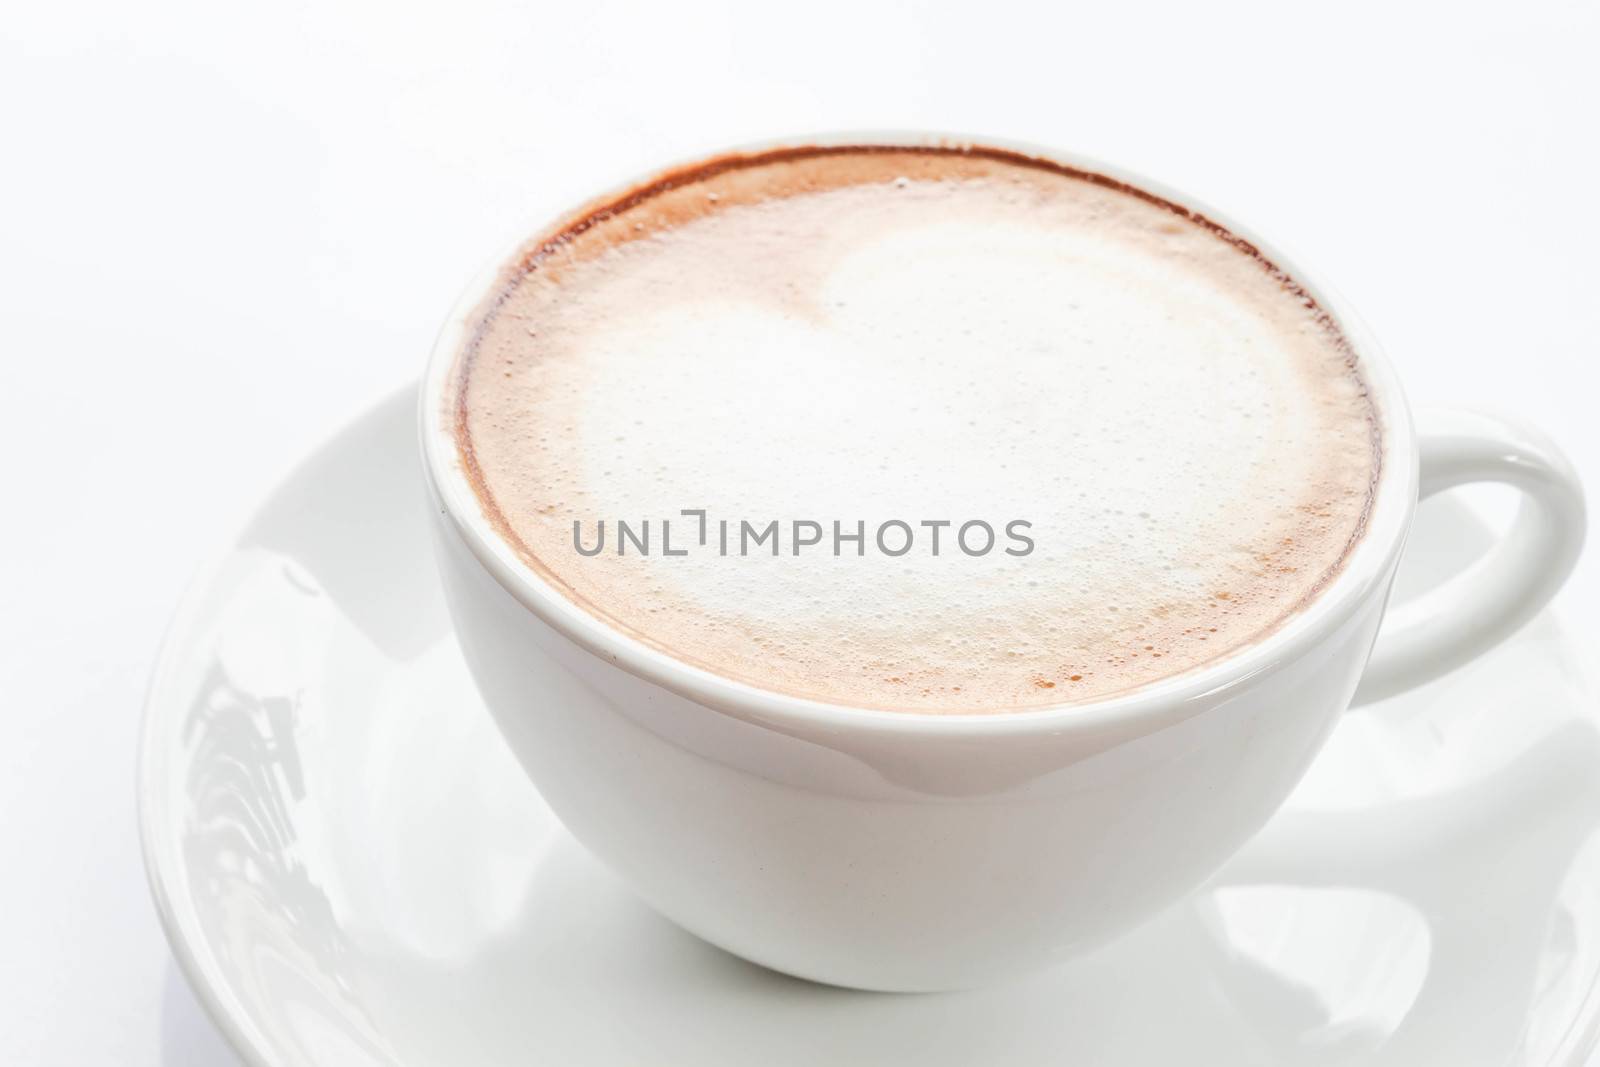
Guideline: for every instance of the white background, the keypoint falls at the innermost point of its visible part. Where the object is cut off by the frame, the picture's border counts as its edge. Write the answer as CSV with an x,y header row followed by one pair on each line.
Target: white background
x,y
227,228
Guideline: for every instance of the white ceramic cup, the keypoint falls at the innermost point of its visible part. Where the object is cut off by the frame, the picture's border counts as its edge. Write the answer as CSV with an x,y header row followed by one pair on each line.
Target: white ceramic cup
x,y
899,851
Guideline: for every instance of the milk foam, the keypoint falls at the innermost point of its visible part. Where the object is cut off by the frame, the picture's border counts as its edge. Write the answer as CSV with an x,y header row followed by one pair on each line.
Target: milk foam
x,y
921,337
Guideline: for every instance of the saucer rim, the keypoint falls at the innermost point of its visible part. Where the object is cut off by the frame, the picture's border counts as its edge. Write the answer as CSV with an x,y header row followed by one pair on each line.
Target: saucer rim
x,y
230,1016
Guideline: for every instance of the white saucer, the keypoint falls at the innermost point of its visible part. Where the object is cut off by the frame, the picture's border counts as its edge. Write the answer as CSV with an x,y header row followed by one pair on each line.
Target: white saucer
x,y
352,870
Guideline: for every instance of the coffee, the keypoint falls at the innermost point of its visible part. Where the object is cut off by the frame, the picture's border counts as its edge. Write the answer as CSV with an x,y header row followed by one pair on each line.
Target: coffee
x,y
762,414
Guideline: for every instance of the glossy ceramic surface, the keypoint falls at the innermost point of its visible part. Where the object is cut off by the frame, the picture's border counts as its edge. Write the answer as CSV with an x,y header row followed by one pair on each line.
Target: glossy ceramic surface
x,y
353,869
917,853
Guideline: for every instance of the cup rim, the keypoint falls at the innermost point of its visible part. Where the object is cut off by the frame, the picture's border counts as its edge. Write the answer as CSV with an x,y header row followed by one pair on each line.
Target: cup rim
x,y
1364,573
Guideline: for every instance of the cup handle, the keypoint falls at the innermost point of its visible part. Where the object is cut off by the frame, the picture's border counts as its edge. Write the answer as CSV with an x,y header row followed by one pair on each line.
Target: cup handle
x,y
1476,609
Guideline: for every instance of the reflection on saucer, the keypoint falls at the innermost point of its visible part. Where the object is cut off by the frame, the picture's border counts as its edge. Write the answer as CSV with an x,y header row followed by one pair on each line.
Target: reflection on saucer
x,y
1335,969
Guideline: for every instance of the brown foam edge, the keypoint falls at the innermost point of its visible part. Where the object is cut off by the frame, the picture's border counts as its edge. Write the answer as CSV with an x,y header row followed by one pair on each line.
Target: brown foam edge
x,y
606,208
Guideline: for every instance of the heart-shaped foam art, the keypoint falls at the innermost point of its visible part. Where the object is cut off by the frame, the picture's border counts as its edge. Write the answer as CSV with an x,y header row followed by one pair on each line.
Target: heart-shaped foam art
x,y
918,337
